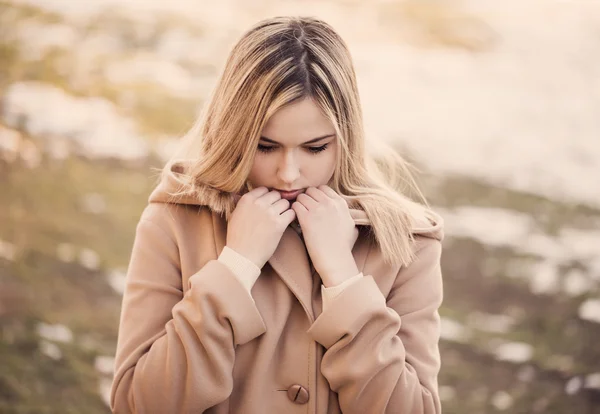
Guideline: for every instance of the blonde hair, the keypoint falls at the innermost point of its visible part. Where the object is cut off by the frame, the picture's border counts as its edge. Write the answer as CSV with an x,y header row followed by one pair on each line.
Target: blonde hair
x,y
281,60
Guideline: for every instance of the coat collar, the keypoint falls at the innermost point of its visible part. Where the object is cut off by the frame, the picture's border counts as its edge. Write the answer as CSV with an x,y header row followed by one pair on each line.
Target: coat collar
x,y
291,263
290,260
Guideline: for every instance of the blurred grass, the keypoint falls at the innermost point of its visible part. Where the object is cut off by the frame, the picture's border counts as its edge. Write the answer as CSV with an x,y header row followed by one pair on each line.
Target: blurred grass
x,y
46,208
39,212
155,110
549,323
33,383
550,215
152,106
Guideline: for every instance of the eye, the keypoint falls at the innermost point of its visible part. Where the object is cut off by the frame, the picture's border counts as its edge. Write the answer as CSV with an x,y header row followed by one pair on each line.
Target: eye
x,y
266,148
316,150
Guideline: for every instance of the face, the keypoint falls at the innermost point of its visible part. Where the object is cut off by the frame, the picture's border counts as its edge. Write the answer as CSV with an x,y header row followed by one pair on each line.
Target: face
x,y
297,150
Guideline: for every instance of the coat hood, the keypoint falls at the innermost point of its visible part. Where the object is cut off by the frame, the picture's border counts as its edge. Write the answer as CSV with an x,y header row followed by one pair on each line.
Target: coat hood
x,y
174,188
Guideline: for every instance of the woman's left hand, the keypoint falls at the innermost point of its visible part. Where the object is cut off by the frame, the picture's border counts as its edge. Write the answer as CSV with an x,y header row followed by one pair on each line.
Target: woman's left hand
x,y
329,233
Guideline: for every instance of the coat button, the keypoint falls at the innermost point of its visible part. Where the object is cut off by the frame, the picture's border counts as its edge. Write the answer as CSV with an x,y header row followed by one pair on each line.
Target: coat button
x,y
298,394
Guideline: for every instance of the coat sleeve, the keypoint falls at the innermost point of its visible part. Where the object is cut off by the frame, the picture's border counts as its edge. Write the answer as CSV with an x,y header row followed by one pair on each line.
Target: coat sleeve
x,y
175,352
382,356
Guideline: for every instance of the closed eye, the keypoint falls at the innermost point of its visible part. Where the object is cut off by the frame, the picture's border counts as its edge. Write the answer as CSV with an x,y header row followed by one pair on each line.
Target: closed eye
x,y
266,148
316,150
270,148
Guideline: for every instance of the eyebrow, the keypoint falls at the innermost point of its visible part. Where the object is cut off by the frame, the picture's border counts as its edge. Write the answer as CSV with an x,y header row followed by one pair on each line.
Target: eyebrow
x,y
269,140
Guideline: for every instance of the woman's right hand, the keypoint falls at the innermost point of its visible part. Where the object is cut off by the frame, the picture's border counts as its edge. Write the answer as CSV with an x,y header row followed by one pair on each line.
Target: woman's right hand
x,y
257,224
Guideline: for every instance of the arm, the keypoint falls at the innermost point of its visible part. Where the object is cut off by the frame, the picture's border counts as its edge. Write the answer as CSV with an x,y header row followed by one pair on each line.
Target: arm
x,y
175,352
383,357
330,293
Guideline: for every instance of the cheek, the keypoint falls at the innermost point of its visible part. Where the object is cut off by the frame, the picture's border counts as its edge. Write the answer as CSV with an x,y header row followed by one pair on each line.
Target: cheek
x,y
320,168
261,169
331,162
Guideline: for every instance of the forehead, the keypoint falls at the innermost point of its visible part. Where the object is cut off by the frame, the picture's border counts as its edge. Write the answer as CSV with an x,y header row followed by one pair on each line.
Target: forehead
x,y
297,122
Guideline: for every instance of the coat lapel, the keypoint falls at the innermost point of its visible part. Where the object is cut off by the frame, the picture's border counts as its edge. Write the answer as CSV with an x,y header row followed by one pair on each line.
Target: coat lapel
x,y
291,262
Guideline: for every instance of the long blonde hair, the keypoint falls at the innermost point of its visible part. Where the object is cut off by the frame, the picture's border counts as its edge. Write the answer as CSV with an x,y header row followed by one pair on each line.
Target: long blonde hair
x,y
281,60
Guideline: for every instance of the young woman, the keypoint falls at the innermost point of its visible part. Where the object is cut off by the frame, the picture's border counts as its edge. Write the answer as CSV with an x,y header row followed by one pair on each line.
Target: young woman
x,y
274,269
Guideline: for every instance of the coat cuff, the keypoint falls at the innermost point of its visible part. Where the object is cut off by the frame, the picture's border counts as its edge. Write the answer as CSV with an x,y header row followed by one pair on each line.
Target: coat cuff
x,y
246,271
349,312
230,298
331,292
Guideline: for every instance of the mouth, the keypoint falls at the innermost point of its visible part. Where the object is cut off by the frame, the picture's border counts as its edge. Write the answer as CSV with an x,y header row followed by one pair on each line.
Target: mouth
x,y
289,195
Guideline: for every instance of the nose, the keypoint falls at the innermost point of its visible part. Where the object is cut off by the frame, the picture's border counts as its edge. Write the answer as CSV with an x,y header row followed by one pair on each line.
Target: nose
x,y
288,170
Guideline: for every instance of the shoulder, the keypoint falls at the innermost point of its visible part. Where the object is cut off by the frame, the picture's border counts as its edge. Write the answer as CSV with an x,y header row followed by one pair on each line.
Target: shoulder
x,y
177,220
427,231
423,275
427,224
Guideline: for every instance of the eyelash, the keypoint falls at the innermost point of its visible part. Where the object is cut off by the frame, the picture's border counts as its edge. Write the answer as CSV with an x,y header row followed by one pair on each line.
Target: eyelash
x,y
269,148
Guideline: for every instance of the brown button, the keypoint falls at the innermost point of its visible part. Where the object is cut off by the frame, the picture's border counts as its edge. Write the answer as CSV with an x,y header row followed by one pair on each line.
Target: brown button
x,y
298,394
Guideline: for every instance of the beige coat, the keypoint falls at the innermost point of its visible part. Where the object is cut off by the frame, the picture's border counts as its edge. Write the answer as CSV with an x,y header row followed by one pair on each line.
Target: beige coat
x,y
193,340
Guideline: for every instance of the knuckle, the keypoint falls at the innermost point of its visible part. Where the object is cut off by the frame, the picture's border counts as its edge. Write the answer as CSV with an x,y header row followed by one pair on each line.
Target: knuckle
x,y
256,192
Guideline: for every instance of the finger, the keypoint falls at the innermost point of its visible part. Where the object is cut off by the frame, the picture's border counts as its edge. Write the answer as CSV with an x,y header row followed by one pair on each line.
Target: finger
x,y
257,192
270,197
281,205
288,216
317,194
307,201
299,208
329,191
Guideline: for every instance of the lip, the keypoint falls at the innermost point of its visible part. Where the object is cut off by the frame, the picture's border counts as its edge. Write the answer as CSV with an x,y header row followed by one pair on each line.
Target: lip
x,y
289,195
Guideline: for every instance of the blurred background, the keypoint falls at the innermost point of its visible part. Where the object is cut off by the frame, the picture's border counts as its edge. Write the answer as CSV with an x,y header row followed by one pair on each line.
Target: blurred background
x,y
497,102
